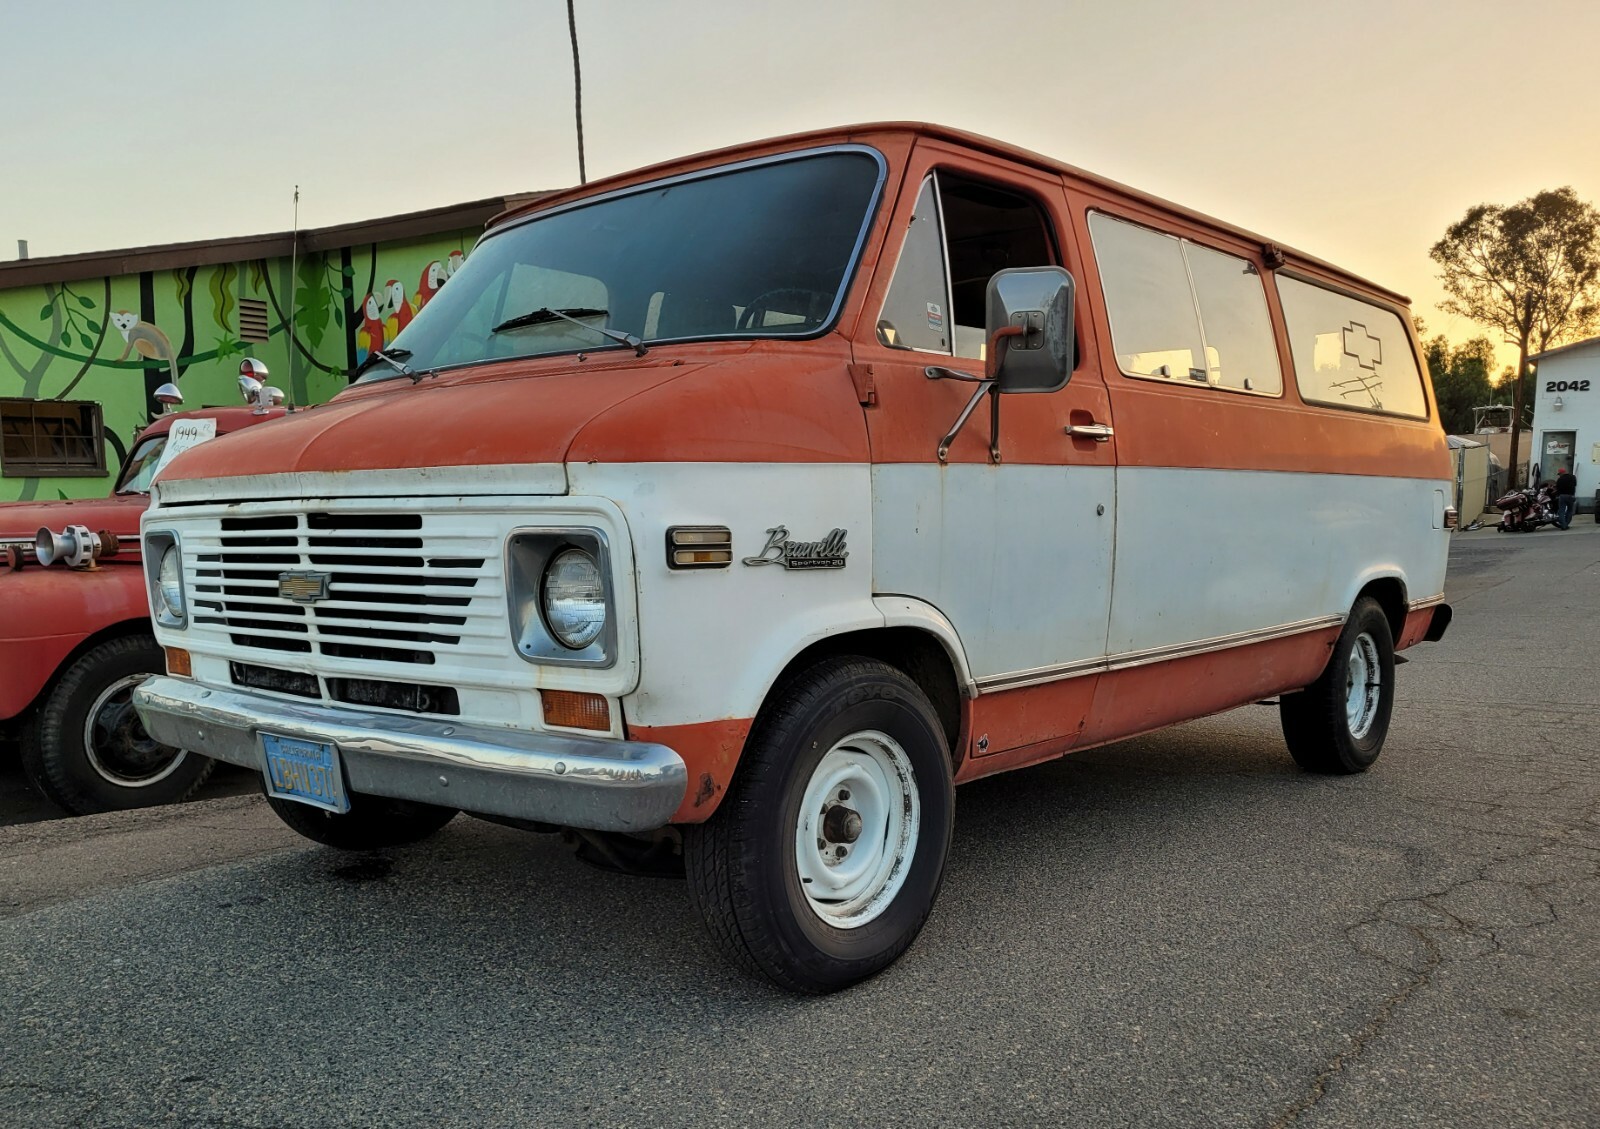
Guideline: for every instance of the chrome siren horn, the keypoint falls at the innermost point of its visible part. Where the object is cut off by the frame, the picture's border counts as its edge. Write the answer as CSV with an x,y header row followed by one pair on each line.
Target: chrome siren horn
x,y
76,546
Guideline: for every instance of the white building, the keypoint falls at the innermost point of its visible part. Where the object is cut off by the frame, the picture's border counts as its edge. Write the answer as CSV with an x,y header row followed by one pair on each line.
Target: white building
x,y
1566,415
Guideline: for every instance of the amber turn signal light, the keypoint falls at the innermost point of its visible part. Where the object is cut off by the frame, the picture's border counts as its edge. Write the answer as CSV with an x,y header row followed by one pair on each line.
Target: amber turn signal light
x,y
574,710
699,546
179,663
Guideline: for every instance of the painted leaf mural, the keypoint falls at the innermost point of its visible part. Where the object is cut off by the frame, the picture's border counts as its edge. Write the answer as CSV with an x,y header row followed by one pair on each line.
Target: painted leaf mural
x,y
113,340
222,304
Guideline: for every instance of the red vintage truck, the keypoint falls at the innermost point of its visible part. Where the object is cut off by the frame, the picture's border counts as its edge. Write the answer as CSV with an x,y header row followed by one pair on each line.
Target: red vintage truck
x,y
75,641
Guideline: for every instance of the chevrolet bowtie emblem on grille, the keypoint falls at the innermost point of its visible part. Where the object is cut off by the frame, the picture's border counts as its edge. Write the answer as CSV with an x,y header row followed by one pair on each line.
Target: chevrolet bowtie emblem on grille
x,y
303,587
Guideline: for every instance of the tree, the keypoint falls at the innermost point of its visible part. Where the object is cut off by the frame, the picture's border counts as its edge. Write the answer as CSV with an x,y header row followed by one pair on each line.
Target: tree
x,y
1461,379
1530,270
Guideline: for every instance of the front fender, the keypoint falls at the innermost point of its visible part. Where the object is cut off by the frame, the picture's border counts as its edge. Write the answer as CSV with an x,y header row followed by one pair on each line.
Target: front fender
x,y
49,612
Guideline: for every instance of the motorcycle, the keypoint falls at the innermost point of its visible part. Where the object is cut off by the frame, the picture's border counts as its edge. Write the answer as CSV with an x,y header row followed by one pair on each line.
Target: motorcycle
x,y
1523,511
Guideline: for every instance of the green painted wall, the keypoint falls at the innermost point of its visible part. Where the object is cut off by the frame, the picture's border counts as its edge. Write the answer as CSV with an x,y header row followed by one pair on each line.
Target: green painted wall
x,y
113,340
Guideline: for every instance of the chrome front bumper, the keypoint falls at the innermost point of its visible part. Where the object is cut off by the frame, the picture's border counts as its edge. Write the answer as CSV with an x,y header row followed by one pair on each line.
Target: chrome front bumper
x,y
601,784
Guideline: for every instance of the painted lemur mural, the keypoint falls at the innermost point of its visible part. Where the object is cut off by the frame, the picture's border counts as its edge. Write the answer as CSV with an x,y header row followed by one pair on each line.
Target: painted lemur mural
x,y
146,340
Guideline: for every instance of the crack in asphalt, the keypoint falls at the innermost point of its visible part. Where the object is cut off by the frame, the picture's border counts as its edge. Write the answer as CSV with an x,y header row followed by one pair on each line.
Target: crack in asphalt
x,y
1430,934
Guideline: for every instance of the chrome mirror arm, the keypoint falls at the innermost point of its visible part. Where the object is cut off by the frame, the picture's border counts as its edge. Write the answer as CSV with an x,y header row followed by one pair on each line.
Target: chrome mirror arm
x,y
939,372
986,387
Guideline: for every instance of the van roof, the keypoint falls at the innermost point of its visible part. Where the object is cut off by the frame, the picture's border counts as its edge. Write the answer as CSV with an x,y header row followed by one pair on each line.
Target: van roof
x,y
945,133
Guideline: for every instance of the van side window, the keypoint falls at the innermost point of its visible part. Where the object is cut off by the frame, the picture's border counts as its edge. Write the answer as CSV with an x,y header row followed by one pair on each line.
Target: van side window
x,y
1154,327
962,233
1180,311
1240,350
1349,352
916,311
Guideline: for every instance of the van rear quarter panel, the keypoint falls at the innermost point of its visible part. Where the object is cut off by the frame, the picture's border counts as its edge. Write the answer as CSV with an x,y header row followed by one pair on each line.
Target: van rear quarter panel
x,y
1238,512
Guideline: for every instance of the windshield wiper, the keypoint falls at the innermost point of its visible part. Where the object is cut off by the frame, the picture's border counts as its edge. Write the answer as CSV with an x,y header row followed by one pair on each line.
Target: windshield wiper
x,y
573,313
392,359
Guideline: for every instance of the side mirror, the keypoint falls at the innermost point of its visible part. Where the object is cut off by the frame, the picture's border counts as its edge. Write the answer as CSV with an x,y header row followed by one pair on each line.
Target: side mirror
x,y
169,396
1030,329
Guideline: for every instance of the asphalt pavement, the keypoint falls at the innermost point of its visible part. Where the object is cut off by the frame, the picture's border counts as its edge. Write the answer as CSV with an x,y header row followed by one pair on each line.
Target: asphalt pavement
x,y
1180,930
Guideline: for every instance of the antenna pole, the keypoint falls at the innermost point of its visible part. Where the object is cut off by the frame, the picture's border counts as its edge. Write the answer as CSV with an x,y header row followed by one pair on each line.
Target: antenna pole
x,y
577,90
294,278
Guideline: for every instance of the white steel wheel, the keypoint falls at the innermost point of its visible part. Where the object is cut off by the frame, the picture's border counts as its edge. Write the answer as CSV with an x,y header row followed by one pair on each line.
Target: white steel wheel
x,y
1338,723
1363,685
824,858
857,833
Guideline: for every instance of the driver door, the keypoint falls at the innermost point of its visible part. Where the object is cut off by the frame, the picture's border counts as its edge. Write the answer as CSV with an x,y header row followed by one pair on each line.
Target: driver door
x,y
1015,553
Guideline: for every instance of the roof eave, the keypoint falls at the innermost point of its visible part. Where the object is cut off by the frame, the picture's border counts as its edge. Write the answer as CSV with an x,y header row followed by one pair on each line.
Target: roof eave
x,y
246,248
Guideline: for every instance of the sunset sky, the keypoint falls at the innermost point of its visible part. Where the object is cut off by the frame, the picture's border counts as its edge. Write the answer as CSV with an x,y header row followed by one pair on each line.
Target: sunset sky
x,y
1354,130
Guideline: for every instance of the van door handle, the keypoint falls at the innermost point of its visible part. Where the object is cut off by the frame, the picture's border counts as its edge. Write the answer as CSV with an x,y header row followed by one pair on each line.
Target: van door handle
x,y
1099,432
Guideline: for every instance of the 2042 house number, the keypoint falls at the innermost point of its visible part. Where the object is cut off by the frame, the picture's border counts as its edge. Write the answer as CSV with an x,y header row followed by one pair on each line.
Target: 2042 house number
x,y
1566,386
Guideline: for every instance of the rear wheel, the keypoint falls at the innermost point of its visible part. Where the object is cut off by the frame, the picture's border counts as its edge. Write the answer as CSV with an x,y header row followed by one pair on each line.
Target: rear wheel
x,y
371,824
86,748
1338,723
824,860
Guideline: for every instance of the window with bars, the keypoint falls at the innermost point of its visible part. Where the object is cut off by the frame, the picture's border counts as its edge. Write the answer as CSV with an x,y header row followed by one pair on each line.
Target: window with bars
x,y
50,437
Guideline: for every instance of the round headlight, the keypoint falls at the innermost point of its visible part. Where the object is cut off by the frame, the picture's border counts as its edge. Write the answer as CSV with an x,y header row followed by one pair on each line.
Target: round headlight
x,y
169,578
574,599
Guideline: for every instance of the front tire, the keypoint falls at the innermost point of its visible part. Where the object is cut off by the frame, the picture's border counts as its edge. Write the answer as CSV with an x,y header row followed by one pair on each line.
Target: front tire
x,y
371,824
824,860
86,748
1338,723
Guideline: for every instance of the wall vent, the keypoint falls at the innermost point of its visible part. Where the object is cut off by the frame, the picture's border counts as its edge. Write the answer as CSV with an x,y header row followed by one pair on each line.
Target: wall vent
x,y
252,319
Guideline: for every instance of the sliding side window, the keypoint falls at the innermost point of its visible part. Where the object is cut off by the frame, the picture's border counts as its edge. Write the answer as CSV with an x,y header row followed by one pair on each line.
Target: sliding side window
x,y
1350,353
1180,311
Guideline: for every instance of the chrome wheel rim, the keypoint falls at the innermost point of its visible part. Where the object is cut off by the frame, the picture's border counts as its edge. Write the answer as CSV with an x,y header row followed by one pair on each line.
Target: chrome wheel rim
x,y
1363,685
116,744
860,819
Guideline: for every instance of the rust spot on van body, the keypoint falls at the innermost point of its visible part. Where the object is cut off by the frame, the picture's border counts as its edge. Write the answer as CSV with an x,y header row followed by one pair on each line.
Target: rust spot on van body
x,y
710,751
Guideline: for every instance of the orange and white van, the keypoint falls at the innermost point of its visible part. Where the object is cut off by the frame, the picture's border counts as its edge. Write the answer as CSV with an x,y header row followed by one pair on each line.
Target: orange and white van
x,y
747,504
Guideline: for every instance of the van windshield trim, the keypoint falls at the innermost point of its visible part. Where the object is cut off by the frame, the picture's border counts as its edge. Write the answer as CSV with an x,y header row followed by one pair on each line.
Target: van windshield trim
x,y
849,276
829,323
868,217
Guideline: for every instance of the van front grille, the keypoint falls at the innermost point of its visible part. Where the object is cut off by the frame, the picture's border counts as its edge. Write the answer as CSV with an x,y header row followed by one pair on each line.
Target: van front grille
x,y
364,588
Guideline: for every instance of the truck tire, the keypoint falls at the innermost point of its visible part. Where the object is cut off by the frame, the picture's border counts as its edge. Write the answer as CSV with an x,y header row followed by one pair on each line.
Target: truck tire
x,y
824,859
371,824
85,747
1338,723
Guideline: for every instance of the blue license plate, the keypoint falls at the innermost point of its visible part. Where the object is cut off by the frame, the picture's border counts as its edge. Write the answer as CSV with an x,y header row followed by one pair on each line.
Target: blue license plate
x,y
306,771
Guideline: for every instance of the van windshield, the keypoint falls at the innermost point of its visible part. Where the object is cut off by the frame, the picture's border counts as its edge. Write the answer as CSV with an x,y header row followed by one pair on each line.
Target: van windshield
x,y
762,250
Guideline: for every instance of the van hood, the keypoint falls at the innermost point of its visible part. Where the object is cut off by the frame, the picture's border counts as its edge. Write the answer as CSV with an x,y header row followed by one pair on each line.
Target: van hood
x,y
487,418
120,515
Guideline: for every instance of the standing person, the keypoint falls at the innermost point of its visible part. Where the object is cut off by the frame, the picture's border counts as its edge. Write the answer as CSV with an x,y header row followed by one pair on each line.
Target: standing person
x,y
1566,497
